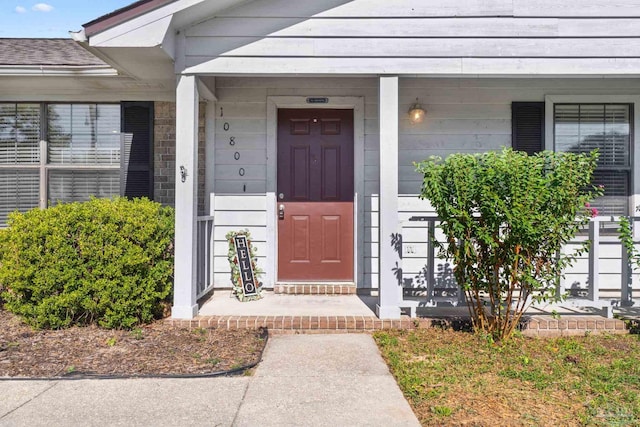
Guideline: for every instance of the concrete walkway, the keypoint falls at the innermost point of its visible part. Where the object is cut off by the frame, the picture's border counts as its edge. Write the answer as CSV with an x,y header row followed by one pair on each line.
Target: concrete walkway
x,y
304,380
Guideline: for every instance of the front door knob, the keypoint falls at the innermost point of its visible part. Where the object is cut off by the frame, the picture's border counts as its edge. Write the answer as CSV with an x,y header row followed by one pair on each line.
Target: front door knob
x,y
281,212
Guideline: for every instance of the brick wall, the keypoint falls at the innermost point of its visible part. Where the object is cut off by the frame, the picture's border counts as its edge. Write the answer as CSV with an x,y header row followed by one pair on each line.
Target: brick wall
x,y
164,154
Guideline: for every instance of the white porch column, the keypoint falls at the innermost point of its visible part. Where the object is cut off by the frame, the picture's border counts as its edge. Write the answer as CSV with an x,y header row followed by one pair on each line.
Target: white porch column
x,y
390,292
206,91
210,149
184,291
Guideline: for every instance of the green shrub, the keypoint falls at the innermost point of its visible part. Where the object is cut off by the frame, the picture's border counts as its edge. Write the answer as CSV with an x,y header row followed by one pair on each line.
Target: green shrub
x,y
105,261
3,247
506,217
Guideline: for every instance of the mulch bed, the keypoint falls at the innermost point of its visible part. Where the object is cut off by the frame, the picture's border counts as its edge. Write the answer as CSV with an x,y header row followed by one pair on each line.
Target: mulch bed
x,y
156,349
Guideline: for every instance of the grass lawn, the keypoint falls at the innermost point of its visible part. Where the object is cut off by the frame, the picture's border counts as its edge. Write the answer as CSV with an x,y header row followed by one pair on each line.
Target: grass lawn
x,y
458,378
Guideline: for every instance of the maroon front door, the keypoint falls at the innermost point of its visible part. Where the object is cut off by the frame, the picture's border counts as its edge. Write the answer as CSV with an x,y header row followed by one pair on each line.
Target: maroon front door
x,y
315,195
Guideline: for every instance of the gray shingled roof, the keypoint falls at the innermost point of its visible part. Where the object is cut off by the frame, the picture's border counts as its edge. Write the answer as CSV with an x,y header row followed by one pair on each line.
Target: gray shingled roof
x,y
46,52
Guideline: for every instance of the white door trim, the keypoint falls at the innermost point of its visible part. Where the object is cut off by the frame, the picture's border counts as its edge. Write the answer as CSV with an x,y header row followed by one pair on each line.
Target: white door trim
x,y
355,103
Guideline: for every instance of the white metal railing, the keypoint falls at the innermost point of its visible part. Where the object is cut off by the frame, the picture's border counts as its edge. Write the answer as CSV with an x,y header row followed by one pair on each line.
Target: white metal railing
x,y
204,255
435,284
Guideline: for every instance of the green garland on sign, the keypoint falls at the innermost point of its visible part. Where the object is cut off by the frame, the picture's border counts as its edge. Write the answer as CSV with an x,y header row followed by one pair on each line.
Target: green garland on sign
x,y
235,269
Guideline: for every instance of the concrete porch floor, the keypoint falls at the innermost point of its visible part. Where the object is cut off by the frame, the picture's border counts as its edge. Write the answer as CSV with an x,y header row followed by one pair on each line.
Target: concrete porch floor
x,y
223,303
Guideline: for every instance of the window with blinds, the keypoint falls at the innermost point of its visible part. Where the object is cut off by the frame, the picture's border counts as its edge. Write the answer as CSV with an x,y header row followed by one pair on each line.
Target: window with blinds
x,y
19,190
580,128
20,126
82,143
83,133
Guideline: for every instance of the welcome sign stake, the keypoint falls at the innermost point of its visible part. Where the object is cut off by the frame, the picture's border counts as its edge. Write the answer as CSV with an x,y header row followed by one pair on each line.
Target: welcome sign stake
x,y
244,270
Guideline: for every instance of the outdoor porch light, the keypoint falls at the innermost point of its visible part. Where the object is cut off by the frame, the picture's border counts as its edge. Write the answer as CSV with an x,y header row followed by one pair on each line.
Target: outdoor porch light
x,y
416,113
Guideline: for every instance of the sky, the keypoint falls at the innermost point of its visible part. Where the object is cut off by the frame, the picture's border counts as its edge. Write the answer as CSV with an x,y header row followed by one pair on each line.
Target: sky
x,y
51,18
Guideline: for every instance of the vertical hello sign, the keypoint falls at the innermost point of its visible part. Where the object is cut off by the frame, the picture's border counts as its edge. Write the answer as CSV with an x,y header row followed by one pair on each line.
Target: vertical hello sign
x,y
247,276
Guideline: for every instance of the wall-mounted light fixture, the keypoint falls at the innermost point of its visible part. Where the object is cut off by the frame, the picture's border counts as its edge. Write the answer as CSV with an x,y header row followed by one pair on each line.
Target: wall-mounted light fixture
x,y
416,113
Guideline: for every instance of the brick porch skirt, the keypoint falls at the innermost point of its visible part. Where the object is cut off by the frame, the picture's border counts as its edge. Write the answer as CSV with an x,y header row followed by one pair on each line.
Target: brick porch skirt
x,y
314,289
542,326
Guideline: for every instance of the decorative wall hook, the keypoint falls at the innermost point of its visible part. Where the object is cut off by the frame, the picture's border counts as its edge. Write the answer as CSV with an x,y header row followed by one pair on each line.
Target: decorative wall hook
x,y
183,173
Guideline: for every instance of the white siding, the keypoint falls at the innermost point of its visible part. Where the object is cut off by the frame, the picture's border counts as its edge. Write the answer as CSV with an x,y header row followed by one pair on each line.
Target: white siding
x,y
427,38
235,213
463,115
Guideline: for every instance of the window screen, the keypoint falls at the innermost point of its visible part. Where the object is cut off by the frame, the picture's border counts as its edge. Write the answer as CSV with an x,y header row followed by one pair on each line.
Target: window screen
x,y
580,128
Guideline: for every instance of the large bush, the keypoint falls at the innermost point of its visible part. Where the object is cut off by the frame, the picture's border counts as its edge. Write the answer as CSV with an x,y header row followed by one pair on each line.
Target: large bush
x,y
104,261
506,217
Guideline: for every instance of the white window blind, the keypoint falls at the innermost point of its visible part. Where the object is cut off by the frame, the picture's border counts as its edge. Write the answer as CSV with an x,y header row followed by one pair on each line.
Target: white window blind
x,y
19,133
78,186
580,128
19,190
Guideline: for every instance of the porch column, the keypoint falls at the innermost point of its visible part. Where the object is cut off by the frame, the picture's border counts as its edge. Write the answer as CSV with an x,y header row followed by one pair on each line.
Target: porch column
x,y
184,291
209,153
206,91
390,291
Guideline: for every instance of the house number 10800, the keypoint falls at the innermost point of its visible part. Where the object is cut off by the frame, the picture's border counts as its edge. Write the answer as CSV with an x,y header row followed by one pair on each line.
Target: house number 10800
x,y
232,141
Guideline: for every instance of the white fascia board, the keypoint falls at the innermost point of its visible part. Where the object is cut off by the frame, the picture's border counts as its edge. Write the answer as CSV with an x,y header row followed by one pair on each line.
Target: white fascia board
x,y
156,21
147,35
18,71
158,27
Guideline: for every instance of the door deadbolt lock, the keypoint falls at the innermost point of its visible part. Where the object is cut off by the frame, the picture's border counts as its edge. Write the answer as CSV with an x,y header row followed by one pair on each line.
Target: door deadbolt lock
x,y
281,212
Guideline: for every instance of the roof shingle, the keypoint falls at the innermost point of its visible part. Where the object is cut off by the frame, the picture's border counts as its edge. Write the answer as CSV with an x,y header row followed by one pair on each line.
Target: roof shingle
x,y
46,52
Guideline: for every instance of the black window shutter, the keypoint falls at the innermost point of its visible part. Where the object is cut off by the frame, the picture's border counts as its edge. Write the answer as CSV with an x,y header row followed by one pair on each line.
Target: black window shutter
x,y
527,126
136,155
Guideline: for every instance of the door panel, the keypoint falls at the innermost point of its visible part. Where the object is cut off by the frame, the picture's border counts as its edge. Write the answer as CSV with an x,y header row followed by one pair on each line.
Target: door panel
x,y
316,242
330,173
300,187
315,188
330,238
301,239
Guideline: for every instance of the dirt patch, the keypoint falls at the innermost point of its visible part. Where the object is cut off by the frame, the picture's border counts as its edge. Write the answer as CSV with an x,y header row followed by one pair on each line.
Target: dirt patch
x,y
156,349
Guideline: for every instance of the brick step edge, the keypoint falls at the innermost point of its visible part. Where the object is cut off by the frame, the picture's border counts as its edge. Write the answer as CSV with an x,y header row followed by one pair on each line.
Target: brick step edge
x,y
308,289
541,326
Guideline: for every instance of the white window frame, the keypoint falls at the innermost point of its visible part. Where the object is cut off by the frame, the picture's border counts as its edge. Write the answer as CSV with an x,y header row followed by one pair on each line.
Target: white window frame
x,y
551,100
